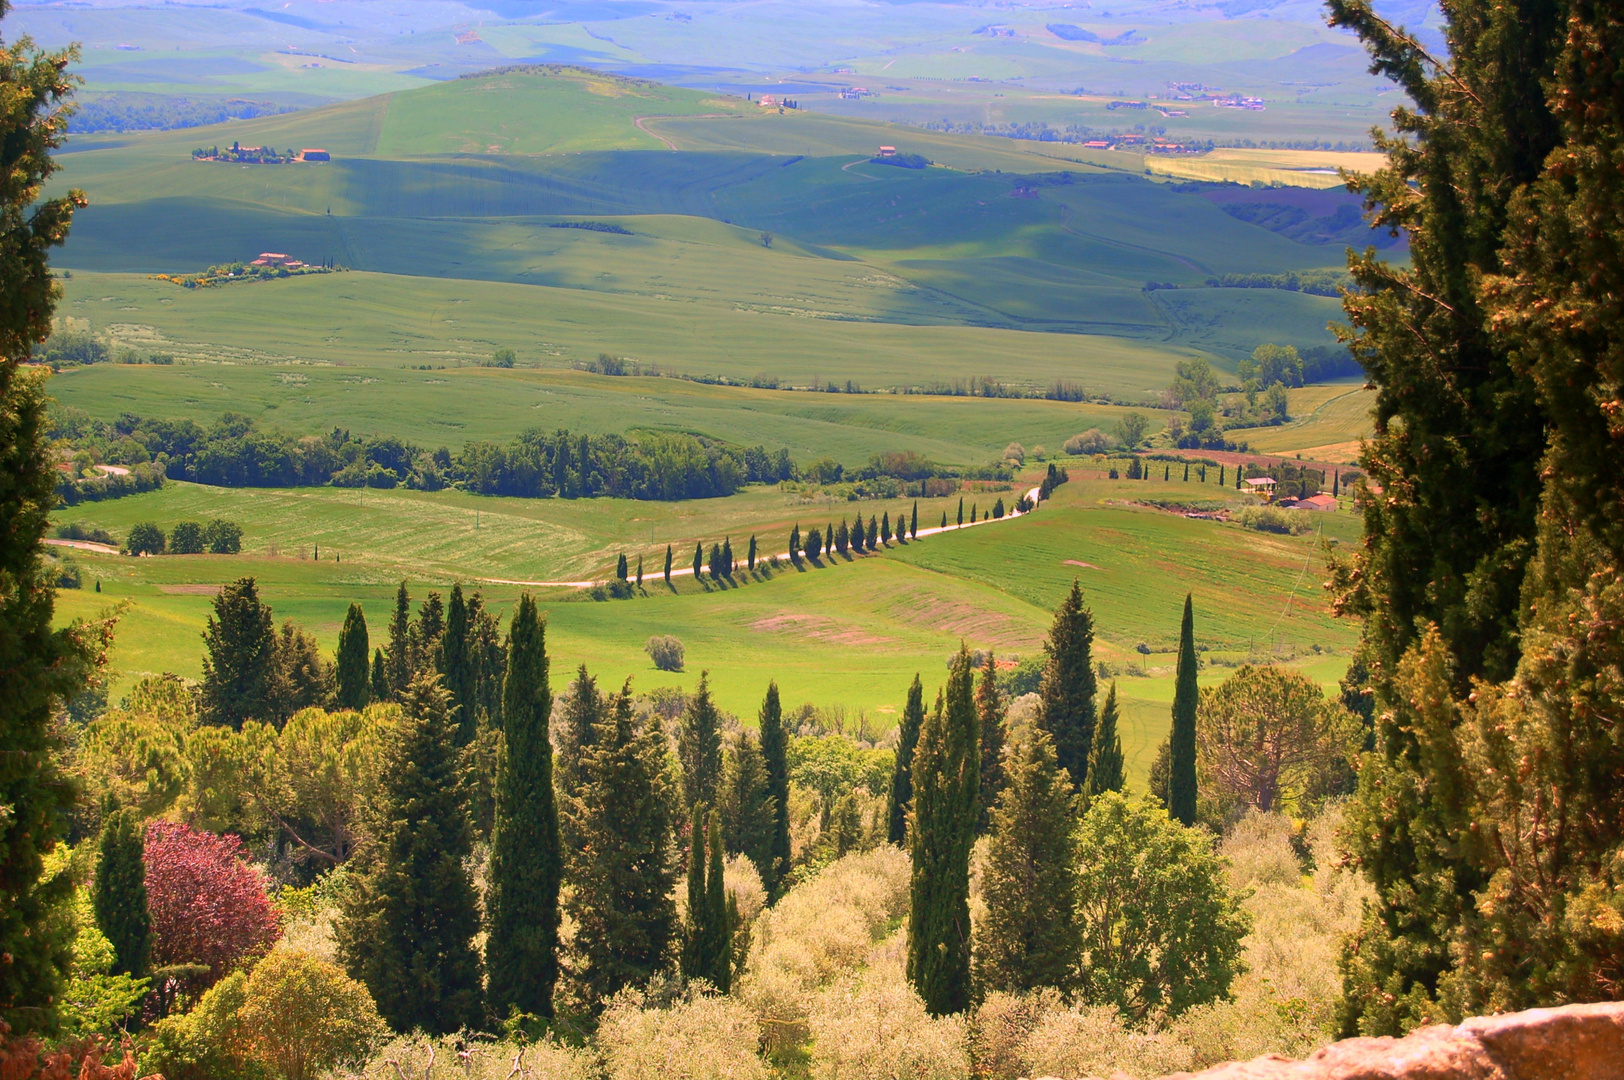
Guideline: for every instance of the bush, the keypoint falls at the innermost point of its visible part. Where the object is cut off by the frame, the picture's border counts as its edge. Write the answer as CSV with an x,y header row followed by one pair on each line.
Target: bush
x,y
1272,519
697,1037
145,539
208,906
666,652
223,537
422,1058
186,538
303,1016
79,530
1092,441
877,1026
1093,1041
819,931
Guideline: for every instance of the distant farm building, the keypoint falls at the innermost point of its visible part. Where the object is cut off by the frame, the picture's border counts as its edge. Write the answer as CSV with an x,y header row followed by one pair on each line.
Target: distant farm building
x,y
1096,144
1321,501
768,102
314,155
276,259
888,151
1261,485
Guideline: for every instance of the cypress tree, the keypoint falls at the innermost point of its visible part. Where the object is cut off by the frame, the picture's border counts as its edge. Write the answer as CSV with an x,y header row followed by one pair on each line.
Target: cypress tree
x,y
639,571
913,523
990,713
961,509
900,800
622,568
944,519
795,544
526,862
119,900
693,961
668,564
716,562
727,557
718,932
408,924
1238,475
699,561
946,780
1221,482
354,689
745,807
972,513
239,658
775,756
1105,762
1181,787
1167,473
873,533
699,746
1336,484
430,635
581,712
1030,936
381,690
885,528
828,538
400,642
814,544
842,537
43,667
752,557
1186,472
621,875
457,665
857,537
1069,685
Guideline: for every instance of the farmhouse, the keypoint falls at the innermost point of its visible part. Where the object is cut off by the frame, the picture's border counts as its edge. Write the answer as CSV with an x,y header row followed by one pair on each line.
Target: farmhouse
x,y
276,258
1322,502
314,155
888,151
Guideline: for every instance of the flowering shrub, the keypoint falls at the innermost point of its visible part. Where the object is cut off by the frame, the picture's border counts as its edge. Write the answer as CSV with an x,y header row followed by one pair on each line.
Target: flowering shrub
x,y
208,906
696,1037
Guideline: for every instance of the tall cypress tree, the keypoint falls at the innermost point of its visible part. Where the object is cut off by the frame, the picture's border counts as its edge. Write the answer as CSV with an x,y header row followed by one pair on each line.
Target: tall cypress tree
x,y
621,877
750,559
693,961
1069,685
43,667
873,533
900,801
699,561
1105,762
946,782
239,659
408,924
430,635
699,746
381,690
842,537
775,755
745,807
857,537
400,642
354,680
913,523
581,712
622,567
990,714
727,557
795,544
707,952
1181,788
668,564
961,510
526,865
120,896
456,665
1030,936
885,528
639,571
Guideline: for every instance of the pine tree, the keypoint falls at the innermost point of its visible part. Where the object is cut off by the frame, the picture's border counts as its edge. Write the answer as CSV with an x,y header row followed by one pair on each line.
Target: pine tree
x,y
668,564
354,688
120,896
946,781
900,800
990,715
621,875
1181,784
1069,685
746,809
407,925
1105,761
751,559
699,746
239,658
400,646
775,756
1030,936
727,558
456,665
795,544
43,668
526,863
622,568
381,690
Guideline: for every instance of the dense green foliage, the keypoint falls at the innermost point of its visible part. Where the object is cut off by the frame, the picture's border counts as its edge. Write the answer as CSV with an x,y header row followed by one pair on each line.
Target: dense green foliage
x,y
946,776
239,662
699,747
410,919
526,867
120,898
990,710
1105,772
900,799
352,671
774,743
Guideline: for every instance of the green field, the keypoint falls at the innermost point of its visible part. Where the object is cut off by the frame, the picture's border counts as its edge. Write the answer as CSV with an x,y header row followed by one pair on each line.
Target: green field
x,y
849,632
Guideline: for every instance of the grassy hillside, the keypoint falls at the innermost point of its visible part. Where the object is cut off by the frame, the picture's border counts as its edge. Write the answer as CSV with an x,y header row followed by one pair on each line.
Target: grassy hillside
x,y
846,632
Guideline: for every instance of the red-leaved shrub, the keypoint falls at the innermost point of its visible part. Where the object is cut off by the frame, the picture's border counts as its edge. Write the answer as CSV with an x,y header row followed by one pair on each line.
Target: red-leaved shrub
x,y
208,905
